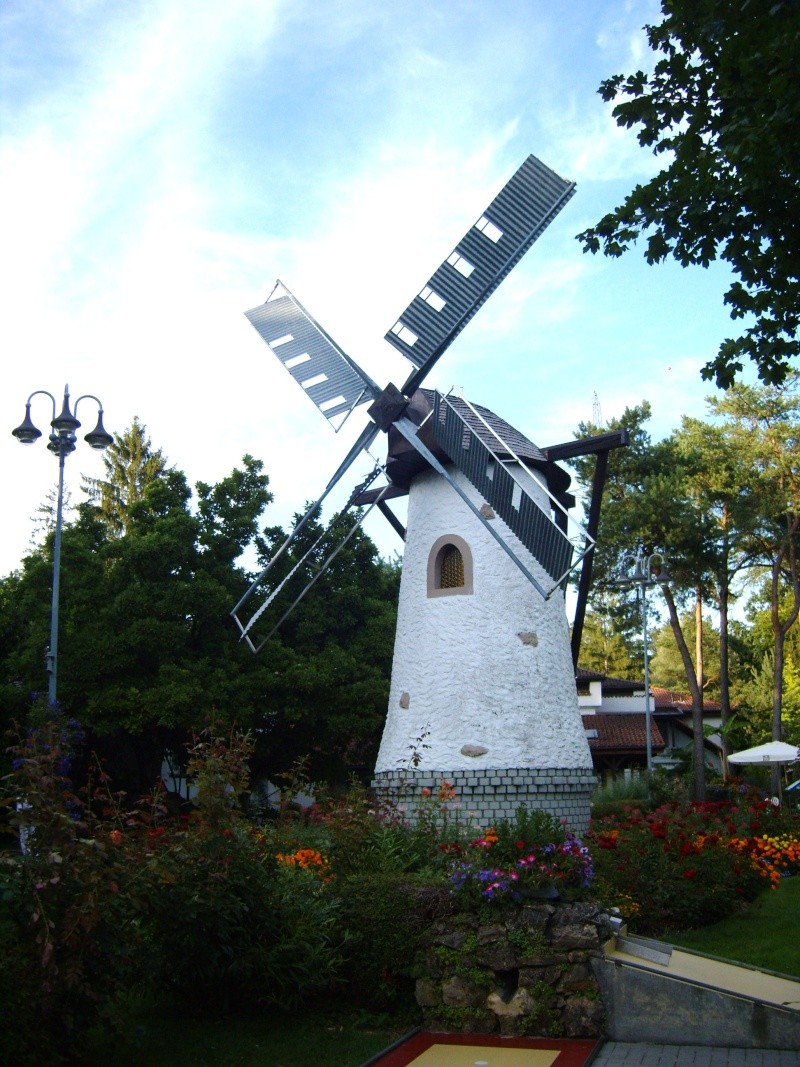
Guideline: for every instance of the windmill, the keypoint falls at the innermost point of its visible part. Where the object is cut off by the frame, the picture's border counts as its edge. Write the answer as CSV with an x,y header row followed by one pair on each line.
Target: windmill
x,y
448,453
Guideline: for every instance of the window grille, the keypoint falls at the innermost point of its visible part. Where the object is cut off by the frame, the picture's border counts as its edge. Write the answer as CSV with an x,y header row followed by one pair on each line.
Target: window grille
x,y
452,573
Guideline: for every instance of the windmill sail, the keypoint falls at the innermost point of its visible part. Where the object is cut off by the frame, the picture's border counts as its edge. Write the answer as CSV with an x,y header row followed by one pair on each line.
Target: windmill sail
x,y
486,254
309,568
333,381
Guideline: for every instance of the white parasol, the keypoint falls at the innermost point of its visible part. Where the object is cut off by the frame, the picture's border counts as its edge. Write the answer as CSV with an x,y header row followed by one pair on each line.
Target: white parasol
x,y
770,752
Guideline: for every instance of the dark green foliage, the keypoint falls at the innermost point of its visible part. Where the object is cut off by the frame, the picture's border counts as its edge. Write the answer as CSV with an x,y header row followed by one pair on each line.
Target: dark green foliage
x,y
386,916
723,105
342,1038
147,649
230,930
107,900
530,829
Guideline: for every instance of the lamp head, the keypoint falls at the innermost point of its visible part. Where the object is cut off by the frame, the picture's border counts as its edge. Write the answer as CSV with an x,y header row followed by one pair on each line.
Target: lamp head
x,y
26,433
65,423
99,438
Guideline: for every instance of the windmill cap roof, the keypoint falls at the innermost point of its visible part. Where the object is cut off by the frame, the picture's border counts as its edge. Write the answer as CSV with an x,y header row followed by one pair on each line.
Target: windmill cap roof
x,y
515,443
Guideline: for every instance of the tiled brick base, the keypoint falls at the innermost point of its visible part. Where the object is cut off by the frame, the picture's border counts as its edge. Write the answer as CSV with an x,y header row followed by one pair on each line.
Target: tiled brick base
x,y
486,796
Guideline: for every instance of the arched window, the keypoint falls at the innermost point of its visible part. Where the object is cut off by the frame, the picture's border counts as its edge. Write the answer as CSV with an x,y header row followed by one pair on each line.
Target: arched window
x,y
450,567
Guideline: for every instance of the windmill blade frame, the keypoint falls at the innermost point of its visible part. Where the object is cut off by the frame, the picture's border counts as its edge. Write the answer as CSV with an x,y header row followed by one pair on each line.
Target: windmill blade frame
x,y
504,491
365,439
246,626
482,259
334,382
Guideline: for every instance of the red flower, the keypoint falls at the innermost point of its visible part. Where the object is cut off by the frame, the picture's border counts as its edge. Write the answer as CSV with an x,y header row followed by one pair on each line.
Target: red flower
x,y
520,844
690,873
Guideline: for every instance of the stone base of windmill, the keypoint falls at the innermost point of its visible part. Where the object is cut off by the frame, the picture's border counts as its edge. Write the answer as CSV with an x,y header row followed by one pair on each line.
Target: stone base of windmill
x,y
483,797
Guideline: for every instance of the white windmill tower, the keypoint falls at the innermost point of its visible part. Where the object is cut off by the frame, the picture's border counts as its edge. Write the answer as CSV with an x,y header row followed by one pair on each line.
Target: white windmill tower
x,y
482,666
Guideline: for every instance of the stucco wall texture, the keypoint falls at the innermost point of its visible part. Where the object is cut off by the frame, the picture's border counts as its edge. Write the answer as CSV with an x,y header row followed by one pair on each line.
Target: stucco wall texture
x,y
490,670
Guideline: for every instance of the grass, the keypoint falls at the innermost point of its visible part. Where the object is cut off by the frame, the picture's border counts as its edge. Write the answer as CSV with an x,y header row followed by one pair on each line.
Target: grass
x,y
766,935
243,1041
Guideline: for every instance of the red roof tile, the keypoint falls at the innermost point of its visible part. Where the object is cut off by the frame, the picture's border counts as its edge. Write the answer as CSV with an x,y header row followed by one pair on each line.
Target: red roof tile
x,y
670,700
621,731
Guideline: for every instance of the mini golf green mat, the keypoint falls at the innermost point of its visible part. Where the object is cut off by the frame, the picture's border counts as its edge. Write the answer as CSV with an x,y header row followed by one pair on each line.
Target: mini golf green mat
x,y
426,1049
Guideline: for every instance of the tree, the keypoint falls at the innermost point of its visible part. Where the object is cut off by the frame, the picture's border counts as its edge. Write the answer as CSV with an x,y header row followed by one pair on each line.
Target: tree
x,y
762,425
718,473
667,666
328,700
131,466
604,648
649,507
148,651
723,103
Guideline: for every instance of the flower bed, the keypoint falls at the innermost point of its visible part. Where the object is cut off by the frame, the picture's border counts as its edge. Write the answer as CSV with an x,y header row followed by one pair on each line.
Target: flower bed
x,y
687,865
223,910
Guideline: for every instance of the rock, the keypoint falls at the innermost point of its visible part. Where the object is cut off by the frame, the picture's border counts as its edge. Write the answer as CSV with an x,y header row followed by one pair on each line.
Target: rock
x,y
460,992
455,939
535,917
488,934
577,978
521,1003
534,976
583,1017
474,750
569,936
427,993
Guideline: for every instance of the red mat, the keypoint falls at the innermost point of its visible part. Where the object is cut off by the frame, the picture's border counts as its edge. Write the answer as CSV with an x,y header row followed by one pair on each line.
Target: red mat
x,y
426,1049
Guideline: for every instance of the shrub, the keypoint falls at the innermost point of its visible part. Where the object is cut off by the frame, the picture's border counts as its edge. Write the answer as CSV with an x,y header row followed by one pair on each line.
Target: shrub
x,y
385,917
231,927
74,927
232,924
687,865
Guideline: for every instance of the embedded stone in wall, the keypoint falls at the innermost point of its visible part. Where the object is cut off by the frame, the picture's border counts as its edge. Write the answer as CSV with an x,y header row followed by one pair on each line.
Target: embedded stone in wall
x,y
405,700
528,638
474,750
487,511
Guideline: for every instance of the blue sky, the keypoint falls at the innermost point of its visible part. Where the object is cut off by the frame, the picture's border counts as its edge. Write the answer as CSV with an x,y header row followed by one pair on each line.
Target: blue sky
x,y
163,161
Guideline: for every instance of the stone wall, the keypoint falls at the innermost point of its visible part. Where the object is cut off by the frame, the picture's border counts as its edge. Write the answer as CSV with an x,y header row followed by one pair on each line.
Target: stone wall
x,y
485,796
527,972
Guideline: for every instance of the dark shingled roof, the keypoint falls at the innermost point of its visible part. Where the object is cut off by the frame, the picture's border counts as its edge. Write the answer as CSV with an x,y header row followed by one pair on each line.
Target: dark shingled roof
x,y
404,463
610,685
515,440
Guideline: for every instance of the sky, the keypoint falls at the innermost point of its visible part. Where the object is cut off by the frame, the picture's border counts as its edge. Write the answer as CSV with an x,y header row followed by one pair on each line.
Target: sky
x,y
162,162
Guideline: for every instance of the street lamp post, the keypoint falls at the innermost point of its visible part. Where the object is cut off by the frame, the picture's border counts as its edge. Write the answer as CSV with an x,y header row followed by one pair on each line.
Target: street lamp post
x,y
61,443
647,571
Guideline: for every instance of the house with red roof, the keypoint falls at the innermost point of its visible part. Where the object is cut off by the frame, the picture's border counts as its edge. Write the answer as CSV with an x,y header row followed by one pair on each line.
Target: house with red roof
x,y
614,719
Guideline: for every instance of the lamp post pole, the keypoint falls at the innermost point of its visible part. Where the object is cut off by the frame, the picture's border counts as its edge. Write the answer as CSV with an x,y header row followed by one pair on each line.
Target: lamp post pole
x,y
61,443
647,572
